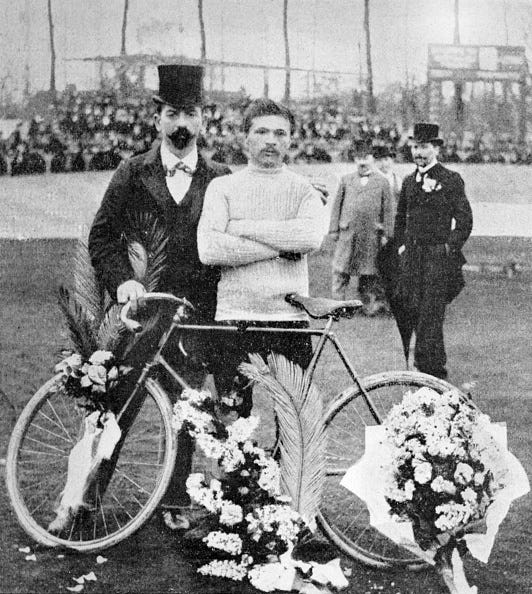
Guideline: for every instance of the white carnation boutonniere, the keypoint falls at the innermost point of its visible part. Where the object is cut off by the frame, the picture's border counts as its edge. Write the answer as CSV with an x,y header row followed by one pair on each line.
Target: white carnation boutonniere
x,y
431,185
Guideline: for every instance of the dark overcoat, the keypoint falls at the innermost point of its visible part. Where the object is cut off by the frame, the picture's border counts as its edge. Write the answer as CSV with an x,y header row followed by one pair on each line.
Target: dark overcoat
x,y
425,218
139,186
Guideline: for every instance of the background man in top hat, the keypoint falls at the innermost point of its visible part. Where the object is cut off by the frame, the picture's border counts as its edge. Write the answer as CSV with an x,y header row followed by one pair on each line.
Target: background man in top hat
x,y
168,181
361,221
430,257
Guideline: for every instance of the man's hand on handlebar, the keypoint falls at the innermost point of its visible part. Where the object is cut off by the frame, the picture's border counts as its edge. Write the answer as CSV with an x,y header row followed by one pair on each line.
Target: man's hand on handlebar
x,y
132,291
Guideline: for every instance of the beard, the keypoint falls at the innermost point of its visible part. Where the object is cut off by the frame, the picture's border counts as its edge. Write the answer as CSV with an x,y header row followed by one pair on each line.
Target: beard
x,y
181,137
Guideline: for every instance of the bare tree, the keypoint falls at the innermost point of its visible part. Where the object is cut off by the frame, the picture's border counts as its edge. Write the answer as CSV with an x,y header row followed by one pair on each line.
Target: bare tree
x,y
124,28
52,48
286,53
371,95
202,31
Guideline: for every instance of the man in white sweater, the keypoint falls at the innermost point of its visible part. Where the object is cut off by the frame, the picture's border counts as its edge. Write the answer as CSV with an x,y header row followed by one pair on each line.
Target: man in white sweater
x,y
258,225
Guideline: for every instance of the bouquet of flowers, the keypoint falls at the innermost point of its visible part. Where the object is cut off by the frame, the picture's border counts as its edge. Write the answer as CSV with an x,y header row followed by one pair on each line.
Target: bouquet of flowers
x,y
445,480
91,381
251,528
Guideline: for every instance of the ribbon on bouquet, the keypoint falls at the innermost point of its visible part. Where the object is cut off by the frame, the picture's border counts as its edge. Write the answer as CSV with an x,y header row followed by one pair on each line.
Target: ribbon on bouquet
x,y
100,436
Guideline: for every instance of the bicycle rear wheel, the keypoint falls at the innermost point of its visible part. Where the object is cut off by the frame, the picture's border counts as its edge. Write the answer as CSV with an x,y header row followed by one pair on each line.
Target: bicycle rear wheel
x,y
37,461
343,517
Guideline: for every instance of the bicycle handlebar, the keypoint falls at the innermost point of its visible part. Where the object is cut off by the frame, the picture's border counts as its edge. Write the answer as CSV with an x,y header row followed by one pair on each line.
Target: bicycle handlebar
x,y
134,326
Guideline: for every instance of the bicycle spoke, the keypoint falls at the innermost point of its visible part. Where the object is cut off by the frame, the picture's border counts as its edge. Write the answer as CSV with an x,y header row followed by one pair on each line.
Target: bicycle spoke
x,y
48,445
139,487
39,453
59,421
51,433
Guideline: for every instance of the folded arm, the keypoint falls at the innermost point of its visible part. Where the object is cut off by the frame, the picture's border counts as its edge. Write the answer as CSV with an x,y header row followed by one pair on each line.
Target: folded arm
x,y
301,234
217,247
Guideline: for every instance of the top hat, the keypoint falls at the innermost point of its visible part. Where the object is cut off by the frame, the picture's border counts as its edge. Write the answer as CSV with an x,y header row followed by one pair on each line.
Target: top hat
x,y
180,84
381,152
424,132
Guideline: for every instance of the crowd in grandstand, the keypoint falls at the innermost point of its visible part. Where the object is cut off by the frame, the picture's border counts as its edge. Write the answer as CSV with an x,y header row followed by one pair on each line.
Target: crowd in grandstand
x,y
95,131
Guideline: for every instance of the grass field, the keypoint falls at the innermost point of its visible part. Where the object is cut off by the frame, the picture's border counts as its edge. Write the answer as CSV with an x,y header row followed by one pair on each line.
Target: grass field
x,y
488,342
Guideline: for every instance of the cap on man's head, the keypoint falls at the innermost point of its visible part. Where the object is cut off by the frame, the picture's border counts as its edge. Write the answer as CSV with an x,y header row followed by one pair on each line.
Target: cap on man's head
x,y
382,152
180,85
425,132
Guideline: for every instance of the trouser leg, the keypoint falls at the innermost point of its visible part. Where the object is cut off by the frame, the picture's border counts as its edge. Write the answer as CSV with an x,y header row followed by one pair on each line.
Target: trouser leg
x,y
429,353
340,282
176,493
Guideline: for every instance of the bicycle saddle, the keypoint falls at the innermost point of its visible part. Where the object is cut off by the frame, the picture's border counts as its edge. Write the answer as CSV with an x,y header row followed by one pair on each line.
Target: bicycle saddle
x,y
320,308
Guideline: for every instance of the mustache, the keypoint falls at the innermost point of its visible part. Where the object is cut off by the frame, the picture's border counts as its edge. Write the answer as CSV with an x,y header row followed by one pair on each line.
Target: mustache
x,y
181,137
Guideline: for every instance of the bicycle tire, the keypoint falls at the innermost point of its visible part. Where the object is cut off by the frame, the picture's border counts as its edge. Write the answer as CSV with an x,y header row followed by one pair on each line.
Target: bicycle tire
x,y
47,427
342,517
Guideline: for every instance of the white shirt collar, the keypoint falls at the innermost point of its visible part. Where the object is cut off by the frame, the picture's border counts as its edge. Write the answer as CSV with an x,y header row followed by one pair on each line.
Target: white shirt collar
x,y
169,159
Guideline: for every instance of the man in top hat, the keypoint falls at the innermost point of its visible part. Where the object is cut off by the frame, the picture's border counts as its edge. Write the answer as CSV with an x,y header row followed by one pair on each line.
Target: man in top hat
x,y
429,245
361,222
168,181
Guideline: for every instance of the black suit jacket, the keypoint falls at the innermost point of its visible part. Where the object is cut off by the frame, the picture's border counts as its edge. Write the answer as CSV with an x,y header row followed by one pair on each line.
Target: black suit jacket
x,y
139,185
425,218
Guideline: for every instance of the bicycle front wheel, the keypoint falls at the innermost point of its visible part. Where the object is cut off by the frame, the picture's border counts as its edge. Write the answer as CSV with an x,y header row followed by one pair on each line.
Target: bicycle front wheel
x,y
343,517
37,463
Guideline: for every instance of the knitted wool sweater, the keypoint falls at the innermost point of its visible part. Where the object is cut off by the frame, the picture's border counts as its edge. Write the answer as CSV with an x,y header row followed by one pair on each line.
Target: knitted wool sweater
x,y
248,219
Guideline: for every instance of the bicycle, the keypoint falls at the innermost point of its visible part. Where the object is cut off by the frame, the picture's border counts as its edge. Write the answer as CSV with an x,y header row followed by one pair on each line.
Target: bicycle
x,y
129,487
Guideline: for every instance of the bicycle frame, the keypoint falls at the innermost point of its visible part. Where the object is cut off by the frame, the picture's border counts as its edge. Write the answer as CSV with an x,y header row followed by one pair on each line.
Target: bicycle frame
x,y
324,334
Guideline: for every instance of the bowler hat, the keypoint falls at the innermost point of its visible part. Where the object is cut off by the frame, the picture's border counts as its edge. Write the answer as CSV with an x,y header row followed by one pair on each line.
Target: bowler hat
x,y
361,148
381,152
424,132
180,84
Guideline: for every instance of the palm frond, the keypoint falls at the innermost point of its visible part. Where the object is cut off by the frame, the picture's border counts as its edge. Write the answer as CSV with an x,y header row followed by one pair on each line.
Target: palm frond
x,y
87,291
80,326
147,241
111,331
298,406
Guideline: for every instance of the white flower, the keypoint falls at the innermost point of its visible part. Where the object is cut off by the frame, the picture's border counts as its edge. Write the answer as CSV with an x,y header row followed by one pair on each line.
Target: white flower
x,y
469,496
195,480
70,366
227,569
441,485
224,541
100,357
242,429
231,513
232,456
452,515
195,396
463,473
270,477
423,473
269,577
430,184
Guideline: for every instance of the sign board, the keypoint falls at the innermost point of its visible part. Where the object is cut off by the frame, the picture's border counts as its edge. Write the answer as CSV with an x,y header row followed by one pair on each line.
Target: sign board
x,y
476,62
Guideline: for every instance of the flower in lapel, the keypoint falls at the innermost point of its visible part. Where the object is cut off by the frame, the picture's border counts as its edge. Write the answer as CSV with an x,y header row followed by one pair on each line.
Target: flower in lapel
x,y
430,184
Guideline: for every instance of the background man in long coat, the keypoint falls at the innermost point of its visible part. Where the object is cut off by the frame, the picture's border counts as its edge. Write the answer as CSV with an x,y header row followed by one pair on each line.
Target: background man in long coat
x,y
168,181
430,256
361,221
